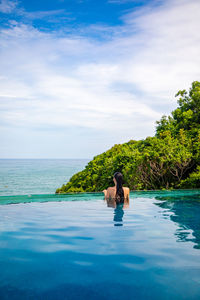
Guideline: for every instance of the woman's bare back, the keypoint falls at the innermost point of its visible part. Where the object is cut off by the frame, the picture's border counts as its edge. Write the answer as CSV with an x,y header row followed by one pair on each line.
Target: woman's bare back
x,y
110,193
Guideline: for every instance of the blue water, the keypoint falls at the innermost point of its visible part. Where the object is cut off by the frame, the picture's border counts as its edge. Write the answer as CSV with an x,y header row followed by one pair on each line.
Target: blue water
x,y
80,247
36,176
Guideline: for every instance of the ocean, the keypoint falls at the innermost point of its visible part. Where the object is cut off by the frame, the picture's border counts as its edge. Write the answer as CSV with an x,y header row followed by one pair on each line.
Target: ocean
x,y
36,176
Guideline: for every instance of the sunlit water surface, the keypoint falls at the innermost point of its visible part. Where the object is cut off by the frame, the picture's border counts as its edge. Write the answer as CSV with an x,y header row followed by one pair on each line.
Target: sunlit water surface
x,y
75,247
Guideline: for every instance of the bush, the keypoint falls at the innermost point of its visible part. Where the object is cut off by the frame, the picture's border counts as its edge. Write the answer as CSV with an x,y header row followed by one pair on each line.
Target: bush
x,y
193,181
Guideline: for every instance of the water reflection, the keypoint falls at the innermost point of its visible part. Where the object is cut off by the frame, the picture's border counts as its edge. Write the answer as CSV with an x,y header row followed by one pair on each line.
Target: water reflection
x,y
118,210
186,214
118,215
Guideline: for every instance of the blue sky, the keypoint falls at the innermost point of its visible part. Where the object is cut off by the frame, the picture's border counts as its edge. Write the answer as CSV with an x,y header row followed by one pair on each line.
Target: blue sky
x,y
52,14
77,77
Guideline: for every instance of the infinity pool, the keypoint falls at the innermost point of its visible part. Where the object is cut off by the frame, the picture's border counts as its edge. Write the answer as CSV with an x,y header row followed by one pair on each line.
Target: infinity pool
x,y
79,247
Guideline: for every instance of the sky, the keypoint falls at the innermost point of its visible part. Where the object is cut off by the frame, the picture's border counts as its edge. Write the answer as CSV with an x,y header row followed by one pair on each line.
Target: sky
x,y
78,76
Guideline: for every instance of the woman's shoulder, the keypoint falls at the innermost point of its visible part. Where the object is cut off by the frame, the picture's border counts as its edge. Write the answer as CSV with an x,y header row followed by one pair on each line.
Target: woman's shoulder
x,y
126,188
126,192
110,188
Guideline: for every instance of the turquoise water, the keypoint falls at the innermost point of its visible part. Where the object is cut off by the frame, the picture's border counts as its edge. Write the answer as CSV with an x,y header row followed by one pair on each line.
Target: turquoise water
x,y
36,176
76,247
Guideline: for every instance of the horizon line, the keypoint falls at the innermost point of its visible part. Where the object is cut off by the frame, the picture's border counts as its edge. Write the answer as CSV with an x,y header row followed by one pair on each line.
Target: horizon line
x,y
1,158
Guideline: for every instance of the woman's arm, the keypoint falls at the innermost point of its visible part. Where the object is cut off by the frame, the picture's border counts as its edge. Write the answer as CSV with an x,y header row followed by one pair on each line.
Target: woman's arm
x,y
105,193
128,193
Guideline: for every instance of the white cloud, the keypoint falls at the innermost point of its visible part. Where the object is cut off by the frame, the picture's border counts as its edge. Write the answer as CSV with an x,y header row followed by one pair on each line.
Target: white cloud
x,y
60,89
7,6
121,84
169,57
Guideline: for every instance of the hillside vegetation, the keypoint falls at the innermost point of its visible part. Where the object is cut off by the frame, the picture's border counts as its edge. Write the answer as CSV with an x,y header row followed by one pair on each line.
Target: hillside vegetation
x,y
170,159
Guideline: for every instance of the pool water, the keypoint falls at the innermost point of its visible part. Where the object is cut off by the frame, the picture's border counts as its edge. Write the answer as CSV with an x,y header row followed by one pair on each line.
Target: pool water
x,y
79,247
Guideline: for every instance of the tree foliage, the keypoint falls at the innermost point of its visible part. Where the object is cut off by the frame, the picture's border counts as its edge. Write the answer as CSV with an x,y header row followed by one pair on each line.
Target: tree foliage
x,y
170,159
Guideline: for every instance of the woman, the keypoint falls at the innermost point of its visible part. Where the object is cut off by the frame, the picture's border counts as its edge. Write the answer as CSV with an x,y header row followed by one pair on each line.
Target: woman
x,y
117,192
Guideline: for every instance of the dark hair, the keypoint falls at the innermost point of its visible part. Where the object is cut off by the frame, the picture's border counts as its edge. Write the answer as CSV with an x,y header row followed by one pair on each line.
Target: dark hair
x,y
120,192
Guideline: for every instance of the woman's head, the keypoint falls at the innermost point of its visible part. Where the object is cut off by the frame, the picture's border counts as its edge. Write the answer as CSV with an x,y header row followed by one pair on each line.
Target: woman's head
x,y
118,180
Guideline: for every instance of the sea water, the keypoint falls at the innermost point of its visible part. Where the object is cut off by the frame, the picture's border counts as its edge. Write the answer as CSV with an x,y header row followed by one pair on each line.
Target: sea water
x,y
80,247
36,176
